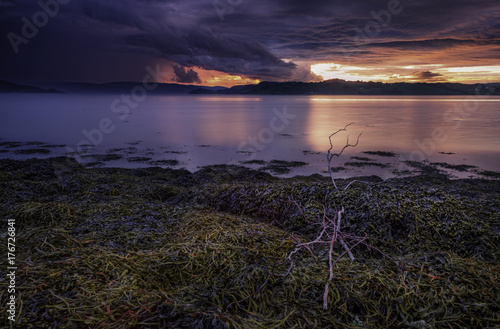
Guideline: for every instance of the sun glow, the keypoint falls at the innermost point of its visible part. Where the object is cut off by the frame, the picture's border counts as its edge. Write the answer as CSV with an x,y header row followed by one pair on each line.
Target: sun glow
x,y
216,78
471,74
226,80
409,73
346,72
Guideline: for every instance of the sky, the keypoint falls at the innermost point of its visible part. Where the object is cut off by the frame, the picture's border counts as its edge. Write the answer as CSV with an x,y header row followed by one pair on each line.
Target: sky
x,y
231,42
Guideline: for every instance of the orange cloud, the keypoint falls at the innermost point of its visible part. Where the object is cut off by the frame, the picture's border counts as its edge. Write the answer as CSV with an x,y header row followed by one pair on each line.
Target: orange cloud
x,y
217,78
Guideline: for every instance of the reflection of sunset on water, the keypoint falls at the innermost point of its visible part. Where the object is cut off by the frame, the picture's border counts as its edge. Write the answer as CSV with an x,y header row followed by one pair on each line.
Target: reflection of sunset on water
x,y
241,128
407,122
203,119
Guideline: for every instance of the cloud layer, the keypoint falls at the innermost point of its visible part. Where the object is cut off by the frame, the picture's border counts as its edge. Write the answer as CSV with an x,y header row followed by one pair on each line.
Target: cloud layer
x,y
90,40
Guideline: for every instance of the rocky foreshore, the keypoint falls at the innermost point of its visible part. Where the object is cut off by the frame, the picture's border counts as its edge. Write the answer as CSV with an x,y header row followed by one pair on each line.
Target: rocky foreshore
x,y
156,248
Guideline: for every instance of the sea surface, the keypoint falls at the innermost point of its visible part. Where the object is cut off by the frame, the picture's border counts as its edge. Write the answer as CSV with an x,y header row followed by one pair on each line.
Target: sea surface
x,y
198,130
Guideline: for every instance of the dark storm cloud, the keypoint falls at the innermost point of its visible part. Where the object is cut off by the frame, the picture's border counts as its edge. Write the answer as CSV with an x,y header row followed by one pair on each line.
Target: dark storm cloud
x,y
435,43
263,39
426,24
161,29
428,75
186,76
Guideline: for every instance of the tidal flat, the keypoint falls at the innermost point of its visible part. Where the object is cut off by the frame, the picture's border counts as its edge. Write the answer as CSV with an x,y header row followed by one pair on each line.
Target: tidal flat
x,y
168,248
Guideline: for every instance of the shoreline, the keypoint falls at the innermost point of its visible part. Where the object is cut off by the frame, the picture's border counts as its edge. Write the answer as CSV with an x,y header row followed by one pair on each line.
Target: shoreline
x,y
358,163
153,247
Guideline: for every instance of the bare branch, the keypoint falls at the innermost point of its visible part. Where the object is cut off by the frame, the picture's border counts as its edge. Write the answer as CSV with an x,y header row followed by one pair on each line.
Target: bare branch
x,y
330,278
330,155
329,231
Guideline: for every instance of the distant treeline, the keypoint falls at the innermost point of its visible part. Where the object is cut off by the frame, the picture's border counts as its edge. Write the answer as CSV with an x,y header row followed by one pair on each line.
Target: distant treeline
x,y
342,87
328,87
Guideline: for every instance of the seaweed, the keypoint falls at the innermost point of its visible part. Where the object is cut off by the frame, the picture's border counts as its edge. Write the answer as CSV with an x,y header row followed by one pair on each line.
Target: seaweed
x,y
138,159
459,167
258,162
35,143
107,157
307,152
134,142
156,248
281,166
365,164
32,151
363,159
489,173
424,168
11,144
170,162
95,164
381,153
54,145
334,169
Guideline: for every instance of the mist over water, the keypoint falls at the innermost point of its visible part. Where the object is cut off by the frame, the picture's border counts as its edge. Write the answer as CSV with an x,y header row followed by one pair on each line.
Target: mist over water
x,y
204,130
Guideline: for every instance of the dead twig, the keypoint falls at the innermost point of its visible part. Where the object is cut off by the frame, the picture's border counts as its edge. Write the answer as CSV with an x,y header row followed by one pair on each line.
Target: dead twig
x,y
329,231
330,155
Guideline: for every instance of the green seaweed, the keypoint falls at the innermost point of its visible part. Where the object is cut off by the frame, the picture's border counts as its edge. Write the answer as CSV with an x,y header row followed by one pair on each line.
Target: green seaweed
x,y
166,248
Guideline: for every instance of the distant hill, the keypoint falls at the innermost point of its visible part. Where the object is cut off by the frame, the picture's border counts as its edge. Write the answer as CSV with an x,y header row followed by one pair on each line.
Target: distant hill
x,y
10,87
126,87
342,87
100,88
328,87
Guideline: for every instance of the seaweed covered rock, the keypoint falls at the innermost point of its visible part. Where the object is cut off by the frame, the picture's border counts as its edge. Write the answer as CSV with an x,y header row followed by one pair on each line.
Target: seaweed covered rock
x,y
230,174
409,216
156,248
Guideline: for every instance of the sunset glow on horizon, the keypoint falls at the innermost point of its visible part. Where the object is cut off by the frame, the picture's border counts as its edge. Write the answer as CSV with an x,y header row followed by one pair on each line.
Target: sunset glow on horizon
x,y
410,73
213,78
436,73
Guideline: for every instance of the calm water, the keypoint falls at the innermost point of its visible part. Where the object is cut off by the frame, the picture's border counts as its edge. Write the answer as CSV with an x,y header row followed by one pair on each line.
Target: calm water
x,y
202,130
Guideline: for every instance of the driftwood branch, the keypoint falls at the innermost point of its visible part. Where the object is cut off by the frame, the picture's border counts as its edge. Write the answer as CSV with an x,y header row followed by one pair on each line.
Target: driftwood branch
x,y
329,232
